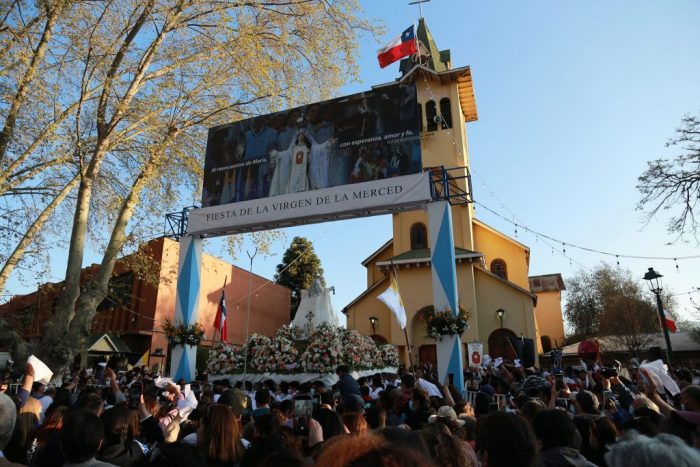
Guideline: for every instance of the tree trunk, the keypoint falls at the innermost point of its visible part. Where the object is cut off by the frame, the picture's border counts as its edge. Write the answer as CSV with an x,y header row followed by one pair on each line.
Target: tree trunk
x,y
96,290
26,80
69,298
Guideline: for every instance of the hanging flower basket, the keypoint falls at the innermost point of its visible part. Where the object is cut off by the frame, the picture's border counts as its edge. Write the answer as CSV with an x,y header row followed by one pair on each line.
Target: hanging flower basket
x,y
445,323
183,334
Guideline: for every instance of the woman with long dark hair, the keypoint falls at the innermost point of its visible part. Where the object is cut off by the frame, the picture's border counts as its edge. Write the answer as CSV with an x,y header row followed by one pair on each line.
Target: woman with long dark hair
x,y
51,426
218,442
120,446
219,436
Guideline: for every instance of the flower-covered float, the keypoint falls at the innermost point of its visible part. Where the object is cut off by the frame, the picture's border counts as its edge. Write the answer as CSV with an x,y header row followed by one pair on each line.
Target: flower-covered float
x,y
291,356
309,349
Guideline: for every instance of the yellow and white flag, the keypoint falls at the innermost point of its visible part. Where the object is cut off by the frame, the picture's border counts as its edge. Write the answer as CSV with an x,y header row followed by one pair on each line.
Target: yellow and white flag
x,y
143,361
392,299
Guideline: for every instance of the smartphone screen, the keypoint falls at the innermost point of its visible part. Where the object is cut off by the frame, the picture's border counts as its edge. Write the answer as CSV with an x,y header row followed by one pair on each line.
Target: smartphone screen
x,y
135,392
303,408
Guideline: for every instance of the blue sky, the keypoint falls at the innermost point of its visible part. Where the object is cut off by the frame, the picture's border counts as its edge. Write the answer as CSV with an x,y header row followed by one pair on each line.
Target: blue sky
x,y
573,99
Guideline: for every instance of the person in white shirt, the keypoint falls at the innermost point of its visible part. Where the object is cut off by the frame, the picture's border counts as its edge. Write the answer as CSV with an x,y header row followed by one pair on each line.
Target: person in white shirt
x,y
427,386
376,387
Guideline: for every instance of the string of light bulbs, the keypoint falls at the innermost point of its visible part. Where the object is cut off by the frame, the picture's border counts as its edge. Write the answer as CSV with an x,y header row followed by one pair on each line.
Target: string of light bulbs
x,y
538,235
440,120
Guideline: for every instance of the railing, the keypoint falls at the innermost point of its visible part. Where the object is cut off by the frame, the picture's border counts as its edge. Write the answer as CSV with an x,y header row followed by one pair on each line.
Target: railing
x,y
451,184
176,223
470,397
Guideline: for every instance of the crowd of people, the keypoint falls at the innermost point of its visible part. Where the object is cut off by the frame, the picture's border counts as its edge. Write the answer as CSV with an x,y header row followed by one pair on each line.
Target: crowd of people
x,y
511,416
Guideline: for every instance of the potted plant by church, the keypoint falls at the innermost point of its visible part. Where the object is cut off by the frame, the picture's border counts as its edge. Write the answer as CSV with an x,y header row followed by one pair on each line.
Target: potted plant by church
x,y
445,328
183,339
445,322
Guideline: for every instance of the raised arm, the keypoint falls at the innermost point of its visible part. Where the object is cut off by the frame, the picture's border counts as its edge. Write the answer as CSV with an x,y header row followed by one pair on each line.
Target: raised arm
x,y
27,383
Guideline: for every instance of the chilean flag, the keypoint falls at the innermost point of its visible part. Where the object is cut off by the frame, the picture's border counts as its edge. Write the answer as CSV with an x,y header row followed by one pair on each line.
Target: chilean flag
x,y
400,47
670,324
220,321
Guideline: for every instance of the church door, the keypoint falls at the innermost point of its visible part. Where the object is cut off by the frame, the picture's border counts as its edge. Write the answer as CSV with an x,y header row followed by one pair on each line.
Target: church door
x,y
427,354
499,346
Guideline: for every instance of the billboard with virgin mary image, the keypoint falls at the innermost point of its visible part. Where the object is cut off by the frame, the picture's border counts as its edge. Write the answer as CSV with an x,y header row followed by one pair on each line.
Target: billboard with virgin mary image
x,y
359,138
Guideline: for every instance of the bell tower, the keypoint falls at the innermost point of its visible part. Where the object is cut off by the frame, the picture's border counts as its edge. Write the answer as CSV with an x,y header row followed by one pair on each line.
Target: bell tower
x,y
445,103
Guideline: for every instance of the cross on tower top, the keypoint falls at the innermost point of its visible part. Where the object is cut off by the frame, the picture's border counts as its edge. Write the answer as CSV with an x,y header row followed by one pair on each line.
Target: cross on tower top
x,y
420,5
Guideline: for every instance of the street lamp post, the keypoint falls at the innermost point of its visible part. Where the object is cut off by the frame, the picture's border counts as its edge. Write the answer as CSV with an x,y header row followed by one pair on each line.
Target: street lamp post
x,y
653,280
501,313
247,319
373,322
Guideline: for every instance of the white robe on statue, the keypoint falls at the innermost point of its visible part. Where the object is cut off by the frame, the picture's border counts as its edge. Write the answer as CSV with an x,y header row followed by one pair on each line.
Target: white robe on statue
x,y
315,308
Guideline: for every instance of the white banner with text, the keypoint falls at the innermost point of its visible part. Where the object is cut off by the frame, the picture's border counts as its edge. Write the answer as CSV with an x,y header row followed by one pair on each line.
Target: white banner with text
x,y
340,202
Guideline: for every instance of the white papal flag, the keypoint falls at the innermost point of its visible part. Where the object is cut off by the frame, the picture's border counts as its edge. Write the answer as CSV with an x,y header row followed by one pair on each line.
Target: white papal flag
x,y
392,299
143,361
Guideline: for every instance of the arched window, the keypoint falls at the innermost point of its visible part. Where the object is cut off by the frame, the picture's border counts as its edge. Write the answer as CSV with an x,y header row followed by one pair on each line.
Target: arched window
x,y
420,117
430,114
498,267
419,236
446,112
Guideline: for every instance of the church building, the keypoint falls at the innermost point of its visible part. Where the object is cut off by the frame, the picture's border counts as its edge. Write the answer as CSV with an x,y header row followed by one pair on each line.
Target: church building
x,y
492,268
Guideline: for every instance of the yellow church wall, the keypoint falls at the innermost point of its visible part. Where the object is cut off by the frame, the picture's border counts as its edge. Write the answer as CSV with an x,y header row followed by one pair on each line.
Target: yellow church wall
x,y
358,317
373,272
403,222
495,245
359,314
548,315
479,293
492,294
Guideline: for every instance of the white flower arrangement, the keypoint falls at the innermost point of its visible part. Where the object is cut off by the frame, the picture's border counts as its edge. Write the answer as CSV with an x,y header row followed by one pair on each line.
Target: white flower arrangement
x,y
225,358
328,346
323,354
292,333
390,356
359,352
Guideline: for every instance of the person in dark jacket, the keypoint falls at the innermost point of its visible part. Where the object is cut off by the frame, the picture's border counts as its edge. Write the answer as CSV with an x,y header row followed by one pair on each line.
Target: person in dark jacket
x,y
419,411
81,437
558,440
120,446
347,385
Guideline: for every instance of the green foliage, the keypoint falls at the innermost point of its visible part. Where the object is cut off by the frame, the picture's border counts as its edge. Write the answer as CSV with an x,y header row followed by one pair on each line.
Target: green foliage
x,y
179,333
298,269
119,96
609,301
444,323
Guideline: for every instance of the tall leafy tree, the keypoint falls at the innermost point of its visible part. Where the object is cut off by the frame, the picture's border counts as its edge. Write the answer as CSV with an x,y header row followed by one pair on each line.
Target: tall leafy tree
x,y
674,184
608,301
299,267
108,104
